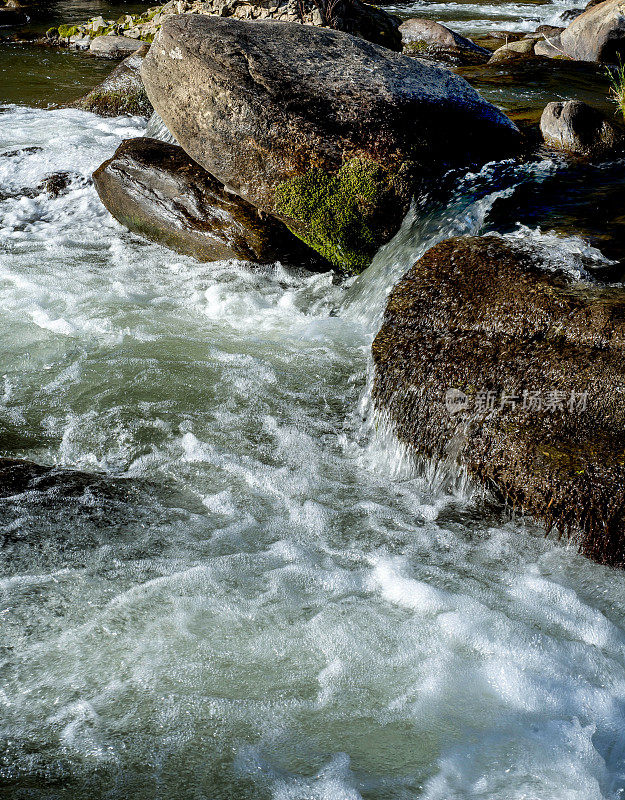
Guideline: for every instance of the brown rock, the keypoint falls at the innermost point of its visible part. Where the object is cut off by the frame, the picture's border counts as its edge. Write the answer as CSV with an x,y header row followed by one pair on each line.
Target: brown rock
x,y
323,129
479,352
155,189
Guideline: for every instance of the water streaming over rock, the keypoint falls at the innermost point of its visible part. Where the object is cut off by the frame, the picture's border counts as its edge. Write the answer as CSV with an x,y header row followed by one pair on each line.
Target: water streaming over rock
x,y
280,606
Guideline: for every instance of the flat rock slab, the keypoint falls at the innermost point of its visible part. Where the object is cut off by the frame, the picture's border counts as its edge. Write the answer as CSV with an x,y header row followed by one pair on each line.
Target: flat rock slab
x,y
321,128
114,46
155,189
490,358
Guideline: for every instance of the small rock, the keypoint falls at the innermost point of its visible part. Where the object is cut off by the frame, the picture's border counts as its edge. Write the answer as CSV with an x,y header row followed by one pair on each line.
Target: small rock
x,y
512,50
576,127
57,184
571,13
550,48
548,31
424,37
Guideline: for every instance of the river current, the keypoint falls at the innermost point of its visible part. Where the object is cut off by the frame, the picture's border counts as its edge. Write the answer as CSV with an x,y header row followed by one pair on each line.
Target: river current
x,y
277,602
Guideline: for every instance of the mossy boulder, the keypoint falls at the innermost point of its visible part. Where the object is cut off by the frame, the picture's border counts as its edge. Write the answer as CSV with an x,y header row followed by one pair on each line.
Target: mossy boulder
x,y
514,368
327,131
122,92
155,190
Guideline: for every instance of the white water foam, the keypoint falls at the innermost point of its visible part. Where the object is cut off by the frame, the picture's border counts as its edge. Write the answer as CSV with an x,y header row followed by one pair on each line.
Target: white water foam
x,y
283,607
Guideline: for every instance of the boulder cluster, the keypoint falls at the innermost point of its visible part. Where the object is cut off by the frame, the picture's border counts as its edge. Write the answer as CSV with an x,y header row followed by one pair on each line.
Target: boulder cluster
x,y
318,130
272,140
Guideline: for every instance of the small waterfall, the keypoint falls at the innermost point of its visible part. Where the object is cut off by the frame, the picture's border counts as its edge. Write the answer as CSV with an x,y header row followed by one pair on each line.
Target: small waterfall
x,y
156,129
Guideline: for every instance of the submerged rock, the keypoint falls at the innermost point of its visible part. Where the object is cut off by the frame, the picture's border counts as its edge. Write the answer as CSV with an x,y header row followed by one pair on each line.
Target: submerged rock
x,y
424,37
58,183
122,92
155,189
576,127
597,35
324,130
488,359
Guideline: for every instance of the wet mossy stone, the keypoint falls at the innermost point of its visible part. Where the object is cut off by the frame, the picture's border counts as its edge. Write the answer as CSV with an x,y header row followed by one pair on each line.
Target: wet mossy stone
x,y
485,317
336,214
122,92
155,190
327,131
65,31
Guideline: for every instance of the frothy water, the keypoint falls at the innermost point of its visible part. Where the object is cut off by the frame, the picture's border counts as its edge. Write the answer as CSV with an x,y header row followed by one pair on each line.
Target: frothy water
x,y
281,606
481,18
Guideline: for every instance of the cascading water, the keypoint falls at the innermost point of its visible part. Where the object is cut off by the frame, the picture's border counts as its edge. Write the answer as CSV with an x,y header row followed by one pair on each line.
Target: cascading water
x,y
279,606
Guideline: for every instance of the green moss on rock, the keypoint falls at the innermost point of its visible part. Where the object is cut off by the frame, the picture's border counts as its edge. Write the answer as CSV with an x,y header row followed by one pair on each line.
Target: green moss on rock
x,y
337,212
416,47
65,31
117,102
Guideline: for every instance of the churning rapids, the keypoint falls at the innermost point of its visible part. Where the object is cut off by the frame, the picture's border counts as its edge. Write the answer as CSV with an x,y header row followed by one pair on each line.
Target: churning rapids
x,y
280,606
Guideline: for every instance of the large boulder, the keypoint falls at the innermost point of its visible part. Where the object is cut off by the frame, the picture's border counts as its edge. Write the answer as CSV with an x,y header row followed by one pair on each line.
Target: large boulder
x,y
516,371
598,34
426,38
351,16
578,128
323,129
155,189
121,92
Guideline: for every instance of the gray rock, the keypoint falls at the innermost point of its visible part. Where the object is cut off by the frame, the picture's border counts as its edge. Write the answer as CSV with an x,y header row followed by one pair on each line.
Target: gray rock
x,y
114,46
321,128
155,189
424,37
578,128
121,92
598,34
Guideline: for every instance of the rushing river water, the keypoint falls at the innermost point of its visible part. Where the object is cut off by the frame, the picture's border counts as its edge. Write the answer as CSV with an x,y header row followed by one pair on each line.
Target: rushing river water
x,y
277,604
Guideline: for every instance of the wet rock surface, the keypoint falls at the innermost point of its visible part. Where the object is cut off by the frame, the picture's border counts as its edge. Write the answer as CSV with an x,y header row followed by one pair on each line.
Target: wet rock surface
x,y
155,189
426,38
490,358
122,92
322,129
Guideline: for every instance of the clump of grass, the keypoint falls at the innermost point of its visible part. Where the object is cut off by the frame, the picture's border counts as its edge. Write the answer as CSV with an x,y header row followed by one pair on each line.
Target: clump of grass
x,y
616,77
